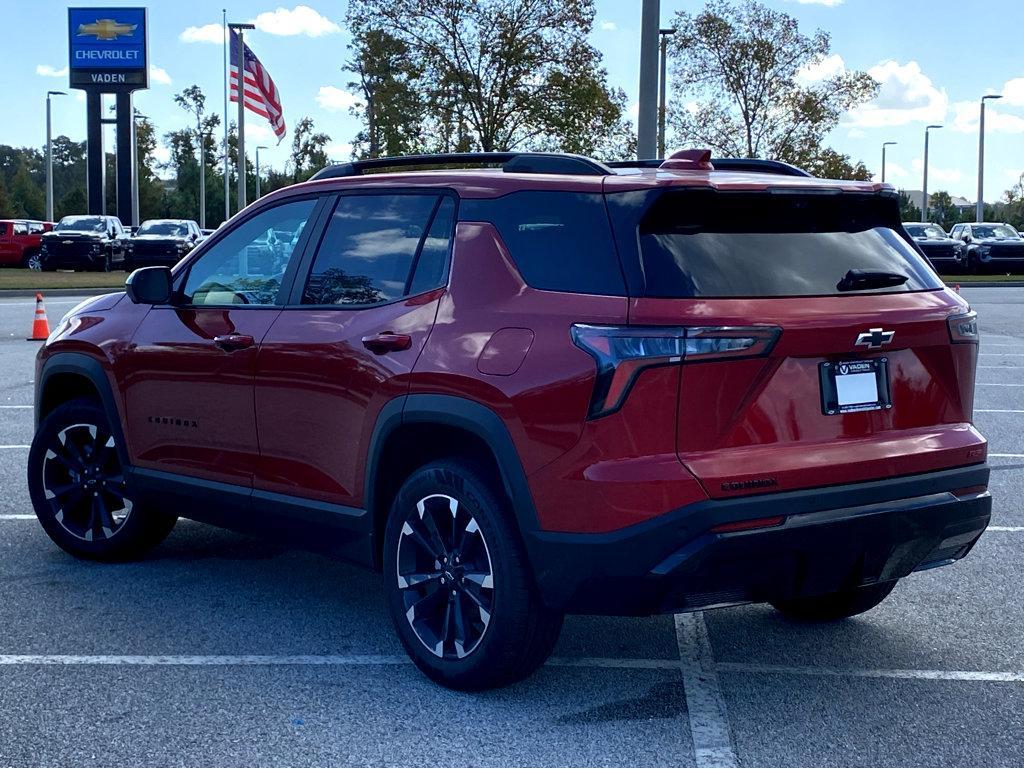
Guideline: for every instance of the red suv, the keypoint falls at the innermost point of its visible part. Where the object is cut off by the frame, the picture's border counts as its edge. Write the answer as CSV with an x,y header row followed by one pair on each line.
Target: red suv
x,y
545,387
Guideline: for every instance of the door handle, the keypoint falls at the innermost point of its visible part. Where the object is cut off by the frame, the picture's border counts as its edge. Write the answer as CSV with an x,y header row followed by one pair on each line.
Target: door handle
x,y
385,342
231,342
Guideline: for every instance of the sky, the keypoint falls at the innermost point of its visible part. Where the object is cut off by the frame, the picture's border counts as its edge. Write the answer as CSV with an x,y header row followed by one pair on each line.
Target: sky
x,y
933,58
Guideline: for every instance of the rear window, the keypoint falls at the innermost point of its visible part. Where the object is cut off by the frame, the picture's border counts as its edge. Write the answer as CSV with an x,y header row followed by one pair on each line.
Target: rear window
x,y
560,241
718,244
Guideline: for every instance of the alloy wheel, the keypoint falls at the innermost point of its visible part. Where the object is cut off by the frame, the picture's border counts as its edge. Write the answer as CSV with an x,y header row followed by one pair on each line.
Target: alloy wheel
x,y
34,262
84,484
445,576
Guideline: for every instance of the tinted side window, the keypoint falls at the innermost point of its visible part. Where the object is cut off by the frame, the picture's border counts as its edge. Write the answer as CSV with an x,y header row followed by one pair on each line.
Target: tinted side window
x,y
246,266
368,249
560,241
432,263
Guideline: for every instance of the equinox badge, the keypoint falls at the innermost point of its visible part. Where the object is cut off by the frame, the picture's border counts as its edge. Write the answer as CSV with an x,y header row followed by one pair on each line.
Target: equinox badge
x,y
874,338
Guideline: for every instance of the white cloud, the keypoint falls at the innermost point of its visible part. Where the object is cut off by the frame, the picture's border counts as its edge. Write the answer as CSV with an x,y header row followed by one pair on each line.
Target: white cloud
x,y
936,173
894,171
339,151
608,26
822,68
258,131
966,115
159,75
300,20
208,33
855,133
1013,92
906,95
335,99
47,71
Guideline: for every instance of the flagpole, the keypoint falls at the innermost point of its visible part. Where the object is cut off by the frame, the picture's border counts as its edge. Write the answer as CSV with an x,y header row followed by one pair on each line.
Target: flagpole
x,y
227,88
239,32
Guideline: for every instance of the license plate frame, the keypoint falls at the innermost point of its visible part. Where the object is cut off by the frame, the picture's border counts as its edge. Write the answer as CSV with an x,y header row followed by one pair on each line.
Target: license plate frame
x,y
843,386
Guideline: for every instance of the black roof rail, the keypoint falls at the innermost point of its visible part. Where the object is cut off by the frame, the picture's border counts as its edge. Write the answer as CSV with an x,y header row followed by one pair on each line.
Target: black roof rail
x,y
510,162
725,164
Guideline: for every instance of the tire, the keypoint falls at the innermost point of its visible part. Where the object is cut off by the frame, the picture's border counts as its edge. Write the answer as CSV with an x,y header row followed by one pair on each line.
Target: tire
x,y
449,510
32,261
836,606
76,482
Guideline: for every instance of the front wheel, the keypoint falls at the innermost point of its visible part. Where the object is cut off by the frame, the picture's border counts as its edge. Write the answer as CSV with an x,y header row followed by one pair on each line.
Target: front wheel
x,y
457,584
32,261
79,492
836,606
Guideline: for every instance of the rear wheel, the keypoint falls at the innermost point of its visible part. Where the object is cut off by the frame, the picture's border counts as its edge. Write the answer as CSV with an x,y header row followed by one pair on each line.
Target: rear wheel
x,y
79,492
836,606
32,261
457,582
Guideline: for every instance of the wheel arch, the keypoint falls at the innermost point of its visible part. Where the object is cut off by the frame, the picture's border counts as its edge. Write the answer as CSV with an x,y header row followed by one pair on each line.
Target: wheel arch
x,y
456,427
69,375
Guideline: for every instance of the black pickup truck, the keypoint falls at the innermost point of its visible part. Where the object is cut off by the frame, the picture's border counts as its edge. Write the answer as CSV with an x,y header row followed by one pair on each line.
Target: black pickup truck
x,y
85,243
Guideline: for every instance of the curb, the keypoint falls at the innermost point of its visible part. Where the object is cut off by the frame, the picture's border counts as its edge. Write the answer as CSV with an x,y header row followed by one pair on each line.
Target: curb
x,y
85,291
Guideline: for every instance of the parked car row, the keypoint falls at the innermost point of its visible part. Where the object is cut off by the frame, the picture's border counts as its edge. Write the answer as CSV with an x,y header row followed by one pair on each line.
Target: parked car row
x,y
969,247
92,242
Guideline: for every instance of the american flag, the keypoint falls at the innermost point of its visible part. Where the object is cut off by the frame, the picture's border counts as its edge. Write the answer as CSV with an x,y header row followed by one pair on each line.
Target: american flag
x,y
261,94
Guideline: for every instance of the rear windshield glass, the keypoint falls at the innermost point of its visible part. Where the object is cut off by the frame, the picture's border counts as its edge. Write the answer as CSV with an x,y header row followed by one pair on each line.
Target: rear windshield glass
x,y
178,229
718,244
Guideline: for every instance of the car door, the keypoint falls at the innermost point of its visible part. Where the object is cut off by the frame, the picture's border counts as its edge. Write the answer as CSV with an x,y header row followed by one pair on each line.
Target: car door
x,y
187,377
346,342
8,250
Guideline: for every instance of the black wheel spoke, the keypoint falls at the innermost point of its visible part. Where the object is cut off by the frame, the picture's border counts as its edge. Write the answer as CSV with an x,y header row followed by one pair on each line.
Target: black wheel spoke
x,y
414,579
420,540
62,491
435,536
460,626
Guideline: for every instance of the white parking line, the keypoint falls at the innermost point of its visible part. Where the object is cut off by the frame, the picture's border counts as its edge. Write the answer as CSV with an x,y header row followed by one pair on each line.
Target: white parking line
x,y
15,446
1003,354
256,660
1005,528
15,407
998,384
1007,456
13,517
705,705
999,411
925,675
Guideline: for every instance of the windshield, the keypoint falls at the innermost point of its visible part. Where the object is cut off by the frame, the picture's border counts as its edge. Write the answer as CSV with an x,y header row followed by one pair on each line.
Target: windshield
x,y
925,231
81,224
176,229
709,244
994,231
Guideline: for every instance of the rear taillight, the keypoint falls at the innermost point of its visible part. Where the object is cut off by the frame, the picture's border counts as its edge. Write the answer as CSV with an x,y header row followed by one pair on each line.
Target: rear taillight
x,y
963,327
622,352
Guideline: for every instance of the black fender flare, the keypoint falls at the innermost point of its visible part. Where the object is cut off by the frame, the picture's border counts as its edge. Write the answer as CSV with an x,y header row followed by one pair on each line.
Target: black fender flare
x,y
465,414
93,370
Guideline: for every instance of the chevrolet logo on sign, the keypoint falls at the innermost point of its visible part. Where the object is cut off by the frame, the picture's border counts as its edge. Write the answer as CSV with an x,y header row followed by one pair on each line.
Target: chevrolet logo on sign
x,y
106,29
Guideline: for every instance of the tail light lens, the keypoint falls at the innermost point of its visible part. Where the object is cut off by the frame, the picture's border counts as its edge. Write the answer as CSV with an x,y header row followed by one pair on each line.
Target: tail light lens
x,y
963,328
622,352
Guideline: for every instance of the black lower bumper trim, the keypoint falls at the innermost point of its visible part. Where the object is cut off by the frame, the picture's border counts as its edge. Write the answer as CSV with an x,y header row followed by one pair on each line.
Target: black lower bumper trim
x,y
832,538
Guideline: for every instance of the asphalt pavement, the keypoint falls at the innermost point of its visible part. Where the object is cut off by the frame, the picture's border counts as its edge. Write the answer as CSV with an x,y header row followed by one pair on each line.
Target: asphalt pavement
x,y
218,649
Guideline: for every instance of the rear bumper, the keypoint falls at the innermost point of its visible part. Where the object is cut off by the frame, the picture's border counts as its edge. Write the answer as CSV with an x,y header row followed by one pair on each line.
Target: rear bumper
x,y
831,538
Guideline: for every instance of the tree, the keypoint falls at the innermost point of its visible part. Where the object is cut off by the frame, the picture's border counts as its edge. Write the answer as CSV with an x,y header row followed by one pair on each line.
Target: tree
x,y
27,198
488,70
909,211
738,76
6,207
941,209
392,109
1013,201
308,150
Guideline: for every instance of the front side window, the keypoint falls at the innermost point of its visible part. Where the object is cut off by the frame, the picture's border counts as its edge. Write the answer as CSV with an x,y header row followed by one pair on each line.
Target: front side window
x,y
371,245
247,265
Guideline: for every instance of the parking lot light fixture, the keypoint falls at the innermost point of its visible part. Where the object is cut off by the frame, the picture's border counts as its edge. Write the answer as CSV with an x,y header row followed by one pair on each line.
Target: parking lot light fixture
x,y
49,156
924,183
884,145
980,206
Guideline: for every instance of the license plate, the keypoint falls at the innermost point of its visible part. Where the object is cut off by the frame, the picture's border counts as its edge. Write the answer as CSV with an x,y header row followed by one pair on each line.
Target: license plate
x,y
855,385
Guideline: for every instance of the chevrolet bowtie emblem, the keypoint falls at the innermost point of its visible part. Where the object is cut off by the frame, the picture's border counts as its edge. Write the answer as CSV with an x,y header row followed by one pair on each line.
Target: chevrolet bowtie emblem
x,y
106,29
874,337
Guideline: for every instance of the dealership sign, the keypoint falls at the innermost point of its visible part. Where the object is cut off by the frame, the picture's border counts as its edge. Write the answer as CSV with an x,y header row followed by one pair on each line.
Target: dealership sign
x,y
107,48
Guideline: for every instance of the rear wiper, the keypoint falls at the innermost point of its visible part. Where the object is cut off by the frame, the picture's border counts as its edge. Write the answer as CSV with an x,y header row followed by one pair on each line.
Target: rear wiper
x,y
860,280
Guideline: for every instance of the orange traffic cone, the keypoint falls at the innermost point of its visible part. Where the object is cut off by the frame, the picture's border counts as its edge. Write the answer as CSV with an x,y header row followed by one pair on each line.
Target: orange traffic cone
x,y
40,325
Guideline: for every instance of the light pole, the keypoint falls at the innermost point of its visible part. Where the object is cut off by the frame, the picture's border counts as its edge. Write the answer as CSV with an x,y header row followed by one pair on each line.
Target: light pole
x,y
135,168
202,176
924,183
884,145
647,119
980,212
49,157
665,34
258,170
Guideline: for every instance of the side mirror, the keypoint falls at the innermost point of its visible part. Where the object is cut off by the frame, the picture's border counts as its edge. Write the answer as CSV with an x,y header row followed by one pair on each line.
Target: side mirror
x,y
149,285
